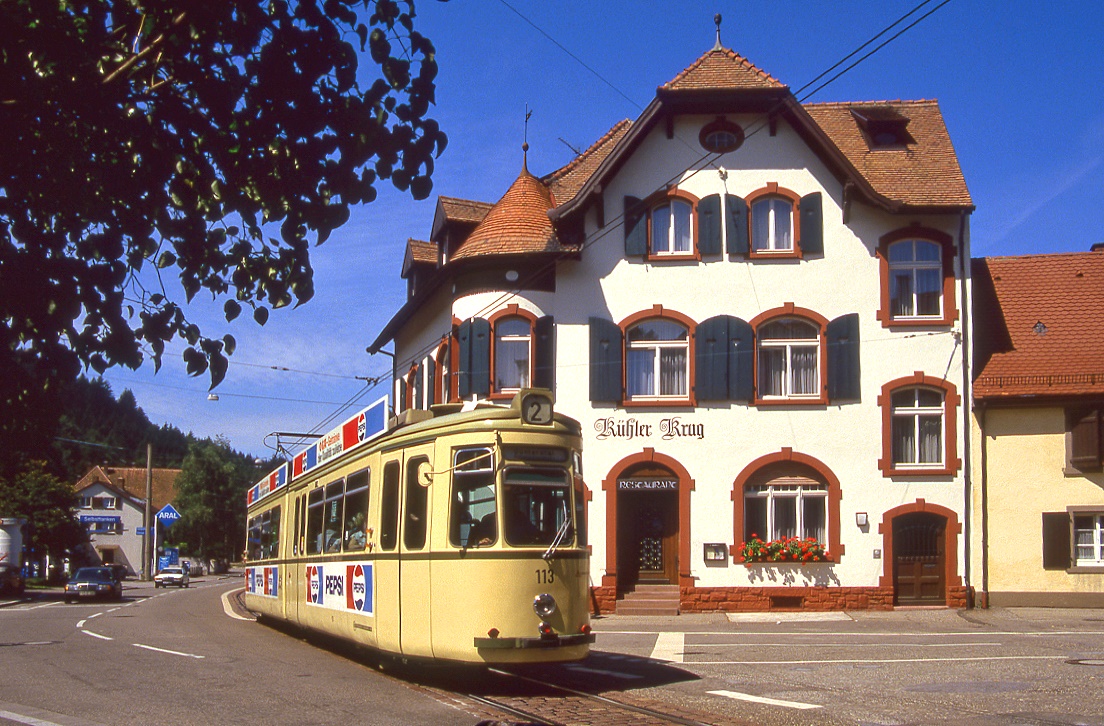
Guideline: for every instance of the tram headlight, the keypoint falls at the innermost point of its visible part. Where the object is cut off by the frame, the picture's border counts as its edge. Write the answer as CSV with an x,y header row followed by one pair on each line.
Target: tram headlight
x,y
544,605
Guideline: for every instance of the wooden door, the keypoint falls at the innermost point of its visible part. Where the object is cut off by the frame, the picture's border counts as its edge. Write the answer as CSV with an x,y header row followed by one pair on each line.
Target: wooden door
x,y
648,538
919,559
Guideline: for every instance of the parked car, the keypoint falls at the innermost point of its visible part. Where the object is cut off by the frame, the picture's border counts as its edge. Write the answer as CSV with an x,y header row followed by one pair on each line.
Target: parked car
x,y
119,570
11,582
93,582
172,575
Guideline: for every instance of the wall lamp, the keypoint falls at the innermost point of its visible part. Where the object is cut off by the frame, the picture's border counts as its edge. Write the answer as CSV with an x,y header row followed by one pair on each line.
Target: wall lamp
x,y
861,519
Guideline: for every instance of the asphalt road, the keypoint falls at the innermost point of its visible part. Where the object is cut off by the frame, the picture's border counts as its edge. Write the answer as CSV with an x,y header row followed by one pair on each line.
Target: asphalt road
x,y
176,656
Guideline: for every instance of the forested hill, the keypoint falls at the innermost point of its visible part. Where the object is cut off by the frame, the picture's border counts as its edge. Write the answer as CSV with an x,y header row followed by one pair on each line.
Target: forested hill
x,y
92,415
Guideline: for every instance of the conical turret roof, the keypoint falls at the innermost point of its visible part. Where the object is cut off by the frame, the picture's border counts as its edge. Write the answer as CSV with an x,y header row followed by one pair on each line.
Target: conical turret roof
x,y
517,224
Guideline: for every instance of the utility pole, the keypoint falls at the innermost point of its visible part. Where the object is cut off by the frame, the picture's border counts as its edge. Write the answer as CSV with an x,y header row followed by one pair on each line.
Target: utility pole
x,y
147,570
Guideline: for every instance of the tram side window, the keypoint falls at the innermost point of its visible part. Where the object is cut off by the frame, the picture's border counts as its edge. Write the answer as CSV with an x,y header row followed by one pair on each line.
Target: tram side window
x,y
315,519
254,538
389,519
580,500
417,496
537,505
472,519
297,527
335,492
356,510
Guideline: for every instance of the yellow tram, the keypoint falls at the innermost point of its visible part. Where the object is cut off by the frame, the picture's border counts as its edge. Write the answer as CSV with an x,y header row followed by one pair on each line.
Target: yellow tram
x,y
454,534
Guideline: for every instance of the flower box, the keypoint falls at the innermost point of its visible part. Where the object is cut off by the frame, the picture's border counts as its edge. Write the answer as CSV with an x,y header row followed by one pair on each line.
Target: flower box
x,y
786,549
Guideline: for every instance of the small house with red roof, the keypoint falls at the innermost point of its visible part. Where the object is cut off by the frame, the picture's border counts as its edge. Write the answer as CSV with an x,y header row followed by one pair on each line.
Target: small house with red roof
x,y
1038,494
111,505
755,308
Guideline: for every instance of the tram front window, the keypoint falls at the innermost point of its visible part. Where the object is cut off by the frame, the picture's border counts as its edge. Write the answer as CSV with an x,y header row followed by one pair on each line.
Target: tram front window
x,y
537,507
473,515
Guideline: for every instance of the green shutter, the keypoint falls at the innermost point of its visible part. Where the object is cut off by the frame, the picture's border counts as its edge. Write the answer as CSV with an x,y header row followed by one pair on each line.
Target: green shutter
x,y
741,360
812,225
463,363
709,225
480,357
431,381
636,228
843,358
544,351
711,352
736,224
605,360
1056,540
417,388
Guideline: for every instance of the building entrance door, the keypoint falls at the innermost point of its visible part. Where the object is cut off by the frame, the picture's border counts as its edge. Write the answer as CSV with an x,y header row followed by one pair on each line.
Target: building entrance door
x,y
919,559
647,531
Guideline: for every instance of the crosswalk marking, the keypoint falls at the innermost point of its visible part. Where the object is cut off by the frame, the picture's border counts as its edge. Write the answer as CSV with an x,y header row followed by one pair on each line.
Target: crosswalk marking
x,y
669,647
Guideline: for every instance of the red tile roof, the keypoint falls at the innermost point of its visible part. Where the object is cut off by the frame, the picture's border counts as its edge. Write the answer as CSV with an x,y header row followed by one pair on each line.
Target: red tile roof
x,y
1048,315
517,224
422,252
566,181
463,210
132,480
721,68
922,174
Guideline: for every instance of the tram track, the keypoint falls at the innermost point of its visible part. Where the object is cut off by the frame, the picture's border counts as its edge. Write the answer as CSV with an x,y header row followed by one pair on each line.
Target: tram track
x,y
571,706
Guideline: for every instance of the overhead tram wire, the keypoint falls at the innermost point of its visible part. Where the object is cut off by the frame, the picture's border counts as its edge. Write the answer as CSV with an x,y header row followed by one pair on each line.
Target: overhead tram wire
x,y
617,221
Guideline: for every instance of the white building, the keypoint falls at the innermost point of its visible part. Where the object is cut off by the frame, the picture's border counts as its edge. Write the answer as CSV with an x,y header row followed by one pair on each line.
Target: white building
x,y
755,307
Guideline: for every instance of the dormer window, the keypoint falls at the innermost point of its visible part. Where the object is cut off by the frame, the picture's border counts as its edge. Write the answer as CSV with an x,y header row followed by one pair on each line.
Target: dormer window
x,y
883,126
721,136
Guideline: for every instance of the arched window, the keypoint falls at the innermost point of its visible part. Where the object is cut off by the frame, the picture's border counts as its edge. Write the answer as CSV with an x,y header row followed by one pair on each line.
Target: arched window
x,y
915,279
917,427
657,360
513,354
772,228
786,507
672,228
789,359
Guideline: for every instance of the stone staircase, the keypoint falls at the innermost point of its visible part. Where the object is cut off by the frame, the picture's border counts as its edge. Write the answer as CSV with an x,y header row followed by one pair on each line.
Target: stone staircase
x,y
650,600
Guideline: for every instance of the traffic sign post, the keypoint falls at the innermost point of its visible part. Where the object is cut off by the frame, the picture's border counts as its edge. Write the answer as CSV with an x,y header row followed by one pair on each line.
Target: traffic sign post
x,y
167,516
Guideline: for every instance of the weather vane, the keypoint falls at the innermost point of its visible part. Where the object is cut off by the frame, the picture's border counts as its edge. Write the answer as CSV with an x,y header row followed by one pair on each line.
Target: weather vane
x,y
525,138
717,20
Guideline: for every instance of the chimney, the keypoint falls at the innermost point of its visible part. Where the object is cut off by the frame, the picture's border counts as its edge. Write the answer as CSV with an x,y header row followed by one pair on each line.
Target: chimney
x,y
1097,247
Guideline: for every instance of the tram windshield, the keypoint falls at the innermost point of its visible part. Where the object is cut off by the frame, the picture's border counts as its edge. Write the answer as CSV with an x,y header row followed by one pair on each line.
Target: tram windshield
x,y
473,515
537,507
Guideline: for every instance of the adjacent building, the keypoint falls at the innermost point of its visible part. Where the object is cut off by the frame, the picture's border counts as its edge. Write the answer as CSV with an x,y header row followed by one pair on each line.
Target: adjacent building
x,y
111,504
1038,447
757,309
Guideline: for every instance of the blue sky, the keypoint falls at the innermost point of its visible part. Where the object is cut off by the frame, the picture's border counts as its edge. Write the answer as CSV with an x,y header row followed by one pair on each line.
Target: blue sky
x,y
1020,86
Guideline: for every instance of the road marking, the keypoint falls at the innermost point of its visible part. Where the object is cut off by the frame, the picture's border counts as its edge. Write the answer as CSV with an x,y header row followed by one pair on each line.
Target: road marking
x,y
846,645
95,616
170,652
82,622
25,719
760,699
877,634
669,647
583,669
876,660
228,609
96,635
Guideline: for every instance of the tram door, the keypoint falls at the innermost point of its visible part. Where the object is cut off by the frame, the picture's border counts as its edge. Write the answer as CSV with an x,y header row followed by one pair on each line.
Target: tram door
x,y
415,564
386,562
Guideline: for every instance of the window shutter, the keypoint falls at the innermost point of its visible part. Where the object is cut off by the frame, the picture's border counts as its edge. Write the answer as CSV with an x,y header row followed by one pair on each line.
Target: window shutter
x,y
636,228
711,351
1085,444
736,224
544,351
741,360
431,382
1056,540
400,395
605,360
709,225
418,387
843,358
463,362
480,369
812,225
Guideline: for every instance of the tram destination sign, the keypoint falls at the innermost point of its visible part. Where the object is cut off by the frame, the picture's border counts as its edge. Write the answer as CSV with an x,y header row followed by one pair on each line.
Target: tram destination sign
x,y
364,426
654,484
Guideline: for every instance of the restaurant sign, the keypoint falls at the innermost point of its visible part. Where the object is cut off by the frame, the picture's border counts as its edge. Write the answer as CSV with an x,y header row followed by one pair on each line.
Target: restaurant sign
x,y
652,484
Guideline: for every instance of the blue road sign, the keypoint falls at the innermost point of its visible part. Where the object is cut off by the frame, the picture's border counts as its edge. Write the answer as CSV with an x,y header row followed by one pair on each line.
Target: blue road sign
x,y
168,515
139,530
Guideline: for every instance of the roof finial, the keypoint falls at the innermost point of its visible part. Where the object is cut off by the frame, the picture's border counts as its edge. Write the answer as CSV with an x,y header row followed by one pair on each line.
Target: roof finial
x,y
525,140
717,20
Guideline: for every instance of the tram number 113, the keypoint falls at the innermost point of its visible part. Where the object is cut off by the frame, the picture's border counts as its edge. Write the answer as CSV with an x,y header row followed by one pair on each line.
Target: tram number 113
x,y
545,576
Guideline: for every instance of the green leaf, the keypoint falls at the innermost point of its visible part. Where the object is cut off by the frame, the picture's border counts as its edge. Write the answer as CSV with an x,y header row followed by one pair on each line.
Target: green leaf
x,y
166,259
230,344
232,310
260,315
